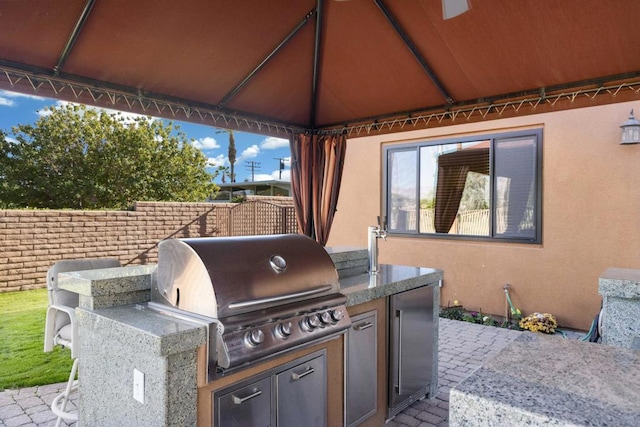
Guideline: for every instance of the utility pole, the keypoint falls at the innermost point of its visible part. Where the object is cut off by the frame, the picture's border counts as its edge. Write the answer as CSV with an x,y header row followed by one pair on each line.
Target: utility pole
x,y
252,166
281,167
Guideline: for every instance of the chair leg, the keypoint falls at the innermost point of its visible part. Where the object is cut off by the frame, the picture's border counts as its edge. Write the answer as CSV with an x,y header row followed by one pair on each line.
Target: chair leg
x,y
59,408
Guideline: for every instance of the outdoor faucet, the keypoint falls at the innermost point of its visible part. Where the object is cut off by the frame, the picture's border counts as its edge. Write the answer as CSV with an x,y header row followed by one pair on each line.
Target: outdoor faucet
x,y
375,233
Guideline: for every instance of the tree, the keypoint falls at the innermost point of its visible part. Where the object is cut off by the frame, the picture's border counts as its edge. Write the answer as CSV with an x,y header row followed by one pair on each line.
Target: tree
x,y
476,192
231,155
81,158
224,173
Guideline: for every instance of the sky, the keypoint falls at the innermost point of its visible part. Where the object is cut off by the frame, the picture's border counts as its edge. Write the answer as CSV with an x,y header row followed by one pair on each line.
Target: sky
x,y
264,150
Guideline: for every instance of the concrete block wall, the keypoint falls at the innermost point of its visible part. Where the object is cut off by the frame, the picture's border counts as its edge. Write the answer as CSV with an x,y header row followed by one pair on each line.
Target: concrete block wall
x,y
33,240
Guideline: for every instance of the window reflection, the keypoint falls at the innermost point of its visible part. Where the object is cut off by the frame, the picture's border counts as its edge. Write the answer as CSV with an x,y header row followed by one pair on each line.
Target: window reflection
x,y
486,187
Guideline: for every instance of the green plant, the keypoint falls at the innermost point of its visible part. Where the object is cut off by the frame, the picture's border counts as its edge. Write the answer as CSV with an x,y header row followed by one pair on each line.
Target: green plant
x,y
480,318
23,363
506,324
458,312
455,312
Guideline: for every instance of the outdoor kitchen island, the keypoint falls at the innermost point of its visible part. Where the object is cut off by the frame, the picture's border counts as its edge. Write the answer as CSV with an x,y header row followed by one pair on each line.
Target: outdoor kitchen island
x,y
120,335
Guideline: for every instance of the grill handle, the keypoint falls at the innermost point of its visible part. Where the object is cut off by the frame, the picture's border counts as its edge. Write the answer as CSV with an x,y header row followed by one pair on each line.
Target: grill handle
x,y
279,298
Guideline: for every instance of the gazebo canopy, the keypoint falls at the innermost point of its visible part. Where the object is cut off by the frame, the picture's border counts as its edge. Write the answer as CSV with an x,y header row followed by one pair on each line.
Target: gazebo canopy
x,y
316,66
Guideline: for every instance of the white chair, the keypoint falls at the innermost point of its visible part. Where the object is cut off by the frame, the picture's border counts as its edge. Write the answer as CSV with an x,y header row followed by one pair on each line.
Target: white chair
x,y
61,327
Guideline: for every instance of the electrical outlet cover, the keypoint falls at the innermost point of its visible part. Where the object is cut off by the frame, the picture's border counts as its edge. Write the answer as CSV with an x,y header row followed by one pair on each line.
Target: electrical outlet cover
x,y
138,385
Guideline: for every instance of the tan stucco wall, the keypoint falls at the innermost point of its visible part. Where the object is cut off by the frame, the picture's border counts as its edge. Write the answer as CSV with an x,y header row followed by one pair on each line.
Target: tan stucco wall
x,y
591,217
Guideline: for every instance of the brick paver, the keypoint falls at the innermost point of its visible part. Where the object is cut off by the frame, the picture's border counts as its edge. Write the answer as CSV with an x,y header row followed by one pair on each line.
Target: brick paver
x,y
30,407
463,347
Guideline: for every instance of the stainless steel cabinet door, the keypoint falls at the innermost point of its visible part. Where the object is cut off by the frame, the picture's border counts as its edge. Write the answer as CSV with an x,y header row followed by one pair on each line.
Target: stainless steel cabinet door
x,y
246,406
361,368
302,395
411,364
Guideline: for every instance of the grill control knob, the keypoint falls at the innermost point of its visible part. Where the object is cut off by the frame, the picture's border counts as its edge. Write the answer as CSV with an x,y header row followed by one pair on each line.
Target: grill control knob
x,y
255,337
311,322
337,315
283,330
326,318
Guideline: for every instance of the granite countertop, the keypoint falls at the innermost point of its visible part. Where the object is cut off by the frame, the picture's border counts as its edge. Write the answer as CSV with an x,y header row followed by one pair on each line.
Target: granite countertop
x,y
390,279
147,329
620,282
116,294
108,281
545,380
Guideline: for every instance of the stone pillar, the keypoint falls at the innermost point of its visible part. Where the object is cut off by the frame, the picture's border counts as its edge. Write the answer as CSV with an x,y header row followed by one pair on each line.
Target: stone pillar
x,y
118,335
620,289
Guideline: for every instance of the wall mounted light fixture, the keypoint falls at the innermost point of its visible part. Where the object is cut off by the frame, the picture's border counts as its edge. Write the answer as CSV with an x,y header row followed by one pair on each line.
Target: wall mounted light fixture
x,y
630,130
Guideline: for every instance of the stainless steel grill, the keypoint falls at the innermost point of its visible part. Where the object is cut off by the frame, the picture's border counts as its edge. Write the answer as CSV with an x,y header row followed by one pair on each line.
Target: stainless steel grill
x,y
266,294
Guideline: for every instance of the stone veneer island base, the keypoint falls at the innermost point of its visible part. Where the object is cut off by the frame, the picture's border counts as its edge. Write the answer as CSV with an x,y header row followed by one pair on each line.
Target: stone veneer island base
x,y
548,380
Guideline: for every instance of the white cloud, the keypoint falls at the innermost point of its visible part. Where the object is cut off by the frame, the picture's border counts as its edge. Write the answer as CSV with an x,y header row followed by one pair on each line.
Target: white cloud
x,y
10,140
275,176
43,113
286,175
272,143
206,143
220,160
263,177
248,153
9,94
6,102
128,118
58,104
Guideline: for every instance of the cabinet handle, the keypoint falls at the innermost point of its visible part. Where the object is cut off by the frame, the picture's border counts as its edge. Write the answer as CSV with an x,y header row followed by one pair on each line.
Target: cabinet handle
x,y
296,377
364,326
239,400
399,314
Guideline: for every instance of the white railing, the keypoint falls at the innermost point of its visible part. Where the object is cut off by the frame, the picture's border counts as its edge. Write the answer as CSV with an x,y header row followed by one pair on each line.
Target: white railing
x,y
469,223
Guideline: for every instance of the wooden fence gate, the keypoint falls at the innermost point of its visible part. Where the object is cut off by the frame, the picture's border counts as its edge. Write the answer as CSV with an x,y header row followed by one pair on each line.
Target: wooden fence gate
x,y
256,217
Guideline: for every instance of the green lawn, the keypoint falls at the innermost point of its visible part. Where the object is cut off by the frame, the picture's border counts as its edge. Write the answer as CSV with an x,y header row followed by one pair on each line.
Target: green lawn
x,y
23,363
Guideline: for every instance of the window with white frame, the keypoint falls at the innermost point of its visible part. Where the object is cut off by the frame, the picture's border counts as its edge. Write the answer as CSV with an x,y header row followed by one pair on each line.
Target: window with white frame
x,y
482,187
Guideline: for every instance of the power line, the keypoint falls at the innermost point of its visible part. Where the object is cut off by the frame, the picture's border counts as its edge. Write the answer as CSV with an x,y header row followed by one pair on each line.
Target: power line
x,y
252,166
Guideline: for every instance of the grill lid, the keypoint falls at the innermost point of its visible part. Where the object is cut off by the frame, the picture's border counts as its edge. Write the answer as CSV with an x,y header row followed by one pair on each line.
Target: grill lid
x,y
226,276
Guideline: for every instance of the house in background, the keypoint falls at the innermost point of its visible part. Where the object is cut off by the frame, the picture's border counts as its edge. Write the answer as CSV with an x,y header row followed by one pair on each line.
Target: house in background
x,y
588,206
229,191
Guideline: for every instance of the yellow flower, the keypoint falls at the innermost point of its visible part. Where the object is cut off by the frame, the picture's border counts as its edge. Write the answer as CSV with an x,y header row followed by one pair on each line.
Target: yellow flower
x,y
538,322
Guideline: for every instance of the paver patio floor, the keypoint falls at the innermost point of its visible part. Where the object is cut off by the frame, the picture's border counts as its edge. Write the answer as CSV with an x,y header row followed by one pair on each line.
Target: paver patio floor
x,y
463,348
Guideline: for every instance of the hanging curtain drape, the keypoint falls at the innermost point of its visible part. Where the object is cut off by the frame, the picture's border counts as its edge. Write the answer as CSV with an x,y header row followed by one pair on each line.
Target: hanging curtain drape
x,y
316,172
452,177
451,181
